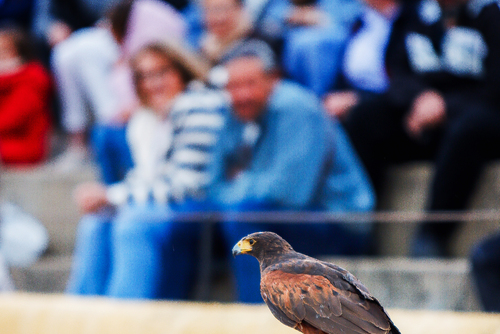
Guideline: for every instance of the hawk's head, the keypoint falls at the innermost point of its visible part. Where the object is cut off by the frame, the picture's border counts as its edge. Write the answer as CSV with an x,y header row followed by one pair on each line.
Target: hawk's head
x,y
262,245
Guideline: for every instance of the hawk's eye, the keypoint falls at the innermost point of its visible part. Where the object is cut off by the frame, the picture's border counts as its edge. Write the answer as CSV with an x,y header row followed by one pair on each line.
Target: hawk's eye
x,y
251,242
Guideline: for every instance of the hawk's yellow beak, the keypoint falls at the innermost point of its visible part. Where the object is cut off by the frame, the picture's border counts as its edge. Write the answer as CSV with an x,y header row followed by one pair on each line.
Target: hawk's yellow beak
x,y
243,246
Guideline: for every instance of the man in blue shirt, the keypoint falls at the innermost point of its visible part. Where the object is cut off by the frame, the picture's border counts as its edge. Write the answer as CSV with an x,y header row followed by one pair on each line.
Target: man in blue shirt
x,y
279,151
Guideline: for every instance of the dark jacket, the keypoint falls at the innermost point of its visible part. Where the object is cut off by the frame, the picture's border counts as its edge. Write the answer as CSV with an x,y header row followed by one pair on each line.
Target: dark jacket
x,y
483,17
412,56
417,20
463,62
16,12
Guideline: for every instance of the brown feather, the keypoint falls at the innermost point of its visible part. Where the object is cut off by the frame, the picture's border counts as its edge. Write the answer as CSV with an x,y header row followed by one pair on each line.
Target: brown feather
x,y
314,300
308,329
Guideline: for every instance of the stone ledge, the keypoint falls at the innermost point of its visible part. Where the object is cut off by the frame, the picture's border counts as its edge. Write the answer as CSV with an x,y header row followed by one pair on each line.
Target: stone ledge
x,y
396,282
40,314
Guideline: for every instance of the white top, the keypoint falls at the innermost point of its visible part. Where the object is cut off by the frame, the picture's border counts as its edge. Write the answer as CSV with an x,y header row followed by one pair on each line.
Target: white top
x,y
364,60
149,138
171,155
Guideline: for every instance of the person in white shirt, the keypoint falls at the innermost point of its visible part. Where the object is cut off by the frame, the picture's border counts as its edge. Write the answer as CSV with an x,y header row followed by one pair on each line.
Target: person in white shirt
x,y
364,71
94,82
138,251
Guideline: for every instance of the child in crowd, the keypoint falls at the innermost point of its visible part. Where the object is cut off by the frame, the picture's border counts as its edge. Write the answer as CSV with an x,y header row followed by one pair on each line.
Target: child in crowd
x,y
25,99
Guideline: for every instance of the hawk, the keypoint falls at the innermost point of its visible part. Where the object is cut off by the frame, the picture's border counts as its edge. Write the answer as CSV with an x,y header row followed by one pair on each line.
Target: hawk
x,y
312,296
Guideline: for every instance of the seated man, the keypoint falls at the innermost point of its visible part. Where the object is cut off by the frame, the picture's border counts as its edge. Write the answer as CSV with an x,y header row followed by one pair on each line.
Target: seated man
x,y
220,28
313,34
442,104
279,151
308,36
363,75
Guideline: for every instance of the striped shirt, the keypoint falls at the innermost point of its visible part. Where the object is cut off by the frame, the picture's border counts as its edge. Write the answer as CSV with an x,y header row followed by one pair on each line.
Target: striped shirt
x,y
171,156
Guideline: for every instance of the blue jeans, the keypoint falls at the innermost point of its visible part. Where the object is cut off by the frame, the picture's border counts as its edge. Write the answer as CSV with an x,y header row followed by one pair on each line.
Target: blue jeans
x,y
136,253
312,239
112,153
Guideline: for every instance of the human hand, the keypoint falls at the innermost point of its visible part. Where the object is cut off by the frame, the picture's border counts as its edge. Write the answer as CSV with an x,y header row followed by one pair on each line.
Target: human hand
x,y
338,104
90,197
428,111
58,32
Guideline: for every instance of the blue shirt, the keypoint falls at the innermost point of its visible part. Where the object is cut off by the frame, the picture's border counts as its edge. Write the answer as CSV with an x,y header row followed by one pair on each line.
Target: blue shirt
x,y
300,160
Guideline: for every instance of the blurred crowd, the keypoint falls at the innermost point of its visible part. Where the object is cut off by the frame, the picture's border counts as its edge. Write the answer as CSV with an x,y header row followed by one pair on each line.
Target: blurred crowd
x,y
248,106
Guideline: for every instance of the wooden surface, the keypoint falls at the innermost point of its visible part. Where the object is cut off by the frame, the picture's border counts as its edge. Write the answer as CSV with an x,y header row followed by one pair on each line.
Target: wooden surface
x,y
56,314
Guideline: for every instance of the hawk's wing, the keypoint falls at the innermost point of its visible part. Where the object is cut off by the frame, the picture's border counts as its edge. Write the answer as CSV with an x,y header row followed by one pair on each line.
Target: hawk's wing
x,y
313,292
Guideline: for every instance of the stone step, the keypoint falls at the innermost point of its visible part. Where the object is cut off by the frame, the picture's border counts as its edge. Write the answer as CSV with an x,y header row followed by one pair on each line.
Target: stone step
x,y
48,275
405,283
406,189
48,196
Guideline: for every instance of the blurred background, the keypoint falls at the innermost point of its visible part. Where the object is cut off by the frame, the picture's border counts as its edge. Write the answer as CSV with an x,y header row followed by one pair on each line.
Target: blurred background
x,y
408,92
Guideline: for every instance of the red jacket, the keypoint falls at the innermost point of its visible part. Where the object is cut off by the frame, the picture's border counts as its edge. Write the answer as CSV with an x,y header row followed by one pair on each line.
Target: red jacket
x,y
25,100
